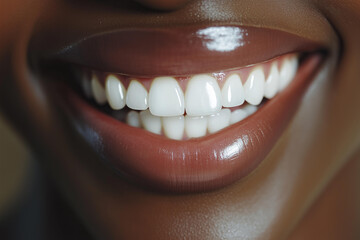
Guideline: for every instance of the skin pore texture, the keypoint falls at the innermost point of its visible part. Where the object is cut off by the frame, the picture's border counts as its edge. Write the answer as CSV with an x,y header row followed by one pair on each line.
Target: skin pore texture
x,y
304,186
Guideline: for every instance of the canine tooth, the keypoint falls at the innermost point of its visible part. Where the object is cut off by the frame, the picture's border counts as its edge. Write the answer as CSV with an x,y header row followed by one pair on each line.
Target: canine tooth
x,y
115,92
238,115
98,90
195,126
233,92
203,96
219,120
174,127
150,122
255,86
137,96
166,98
86,86
133,119
288,71
272,82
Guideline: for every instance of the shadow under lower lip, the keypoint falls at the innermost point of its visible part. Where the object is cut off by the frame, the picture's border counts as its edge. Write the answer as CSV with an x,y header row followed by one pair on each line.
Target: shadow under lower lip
x,y
198,164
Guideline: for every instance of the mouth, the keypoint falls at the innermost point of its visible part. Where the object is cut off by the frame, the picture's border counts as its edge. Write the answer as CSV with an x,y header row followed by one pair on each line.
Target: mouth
x,y
179,124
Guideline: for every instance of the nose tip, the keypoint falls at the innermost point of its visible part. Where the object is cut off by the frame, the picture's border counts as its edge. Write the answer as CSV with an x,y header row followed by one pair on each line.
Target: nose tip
x,y
163,4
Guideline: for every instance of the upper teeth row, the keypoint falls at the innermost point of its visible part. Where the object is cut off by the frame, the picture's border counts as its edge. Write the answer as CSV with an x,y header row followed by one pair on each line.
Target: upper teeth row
x,y
203,95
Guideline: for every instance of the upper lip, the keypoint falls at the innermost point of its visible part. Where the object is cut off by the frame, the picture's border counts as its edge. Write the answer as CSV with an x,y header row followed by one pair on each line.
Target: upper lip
x,y
180,50
198,164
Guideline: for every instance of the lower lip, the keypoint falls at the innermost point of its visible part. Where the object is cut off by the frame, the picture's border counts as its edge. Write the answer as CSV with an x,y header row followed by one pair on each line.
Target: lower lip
x,y
194,165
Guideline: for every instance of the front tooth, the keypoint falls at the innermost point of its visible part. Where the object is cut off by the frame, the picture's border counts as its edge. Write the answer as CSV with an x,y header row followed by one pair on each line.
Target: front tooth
x,y
98,90
150,122
233,92
133,119
166,97
272,82
115,92
219,120
137,96
238,115
195,126
174,127
203,96
288,71
255,86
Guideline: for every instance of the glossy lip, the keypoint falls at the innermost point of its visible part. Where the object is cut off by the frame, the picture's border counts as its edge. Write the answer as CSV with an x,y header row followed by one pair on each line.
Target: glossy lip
x,y
193,165
182,50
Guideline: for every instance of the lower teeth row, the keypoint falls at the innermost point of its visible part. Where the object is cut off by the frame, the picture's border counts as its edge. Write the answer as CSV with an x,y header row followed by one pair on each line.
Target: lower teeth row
x,y
184,127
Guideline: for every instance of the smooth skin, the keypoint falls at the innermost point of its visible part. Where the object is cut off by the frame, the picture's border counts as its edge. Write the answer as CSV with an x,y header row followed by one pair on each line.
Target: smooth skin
x,y
307,188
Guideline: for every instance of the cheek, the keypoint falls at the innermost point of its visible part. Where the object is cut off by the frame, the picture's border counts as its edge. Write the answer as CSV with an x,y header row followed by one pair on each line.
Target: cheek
x,y
13,16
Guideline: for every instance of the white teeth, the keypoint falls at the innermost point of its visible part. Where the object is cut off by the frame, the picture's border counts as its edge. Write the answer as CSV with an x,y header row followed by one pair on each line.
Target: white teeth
x,y
233,92
137,96
98,90
255,86
272,82
166,97
115,92
250,109
195,126
238,115
203,96
288,71
219,120
174,127
133,119
162,108
150,122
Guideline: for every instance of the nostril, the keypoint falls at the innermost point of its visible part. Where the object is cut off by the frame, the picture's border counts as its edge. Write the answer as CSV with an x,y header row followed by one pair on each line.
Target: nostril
x,y
163,4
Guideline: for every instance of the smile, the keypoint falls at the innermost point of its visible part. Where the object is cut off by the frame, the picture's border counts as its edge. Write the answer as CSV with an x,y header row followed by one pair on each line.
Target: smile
x,y
190,106
181,125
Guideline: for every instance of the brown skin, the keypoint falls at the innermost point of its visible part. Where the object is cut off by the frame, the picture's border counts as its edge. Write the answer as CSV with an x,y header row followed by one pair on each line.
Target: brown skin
x,y
163,4
309,180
